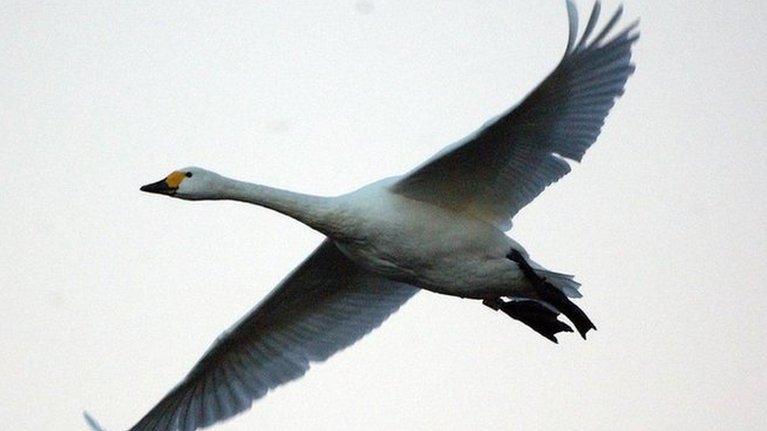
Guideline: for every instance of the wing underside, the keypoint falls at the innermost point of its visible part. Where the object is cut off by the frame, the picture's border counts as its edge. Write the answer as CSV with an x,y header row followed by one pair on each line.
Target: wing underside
x,y
325,305
496,171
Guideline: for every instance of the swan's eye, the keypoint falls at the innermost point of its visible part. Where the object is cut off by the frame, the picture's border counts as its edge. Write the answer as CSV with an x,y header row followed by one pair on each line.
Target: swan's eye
x,y
188,174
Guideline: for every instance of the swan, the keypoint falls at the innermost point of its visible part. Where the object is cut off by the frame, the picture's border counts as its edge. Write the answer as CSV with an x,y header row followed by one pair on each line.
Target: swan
x,y
441,227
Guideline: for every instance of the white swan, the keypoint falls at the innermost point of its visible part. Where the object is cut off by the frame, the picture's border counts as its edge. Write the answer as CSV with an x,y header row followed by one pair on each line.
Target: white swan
x,y
440,227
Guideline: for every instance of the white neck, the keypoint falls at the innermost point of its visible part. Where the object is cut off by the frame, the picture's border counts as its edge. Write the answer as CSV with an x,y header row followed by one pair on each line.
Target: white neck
x,y
314,211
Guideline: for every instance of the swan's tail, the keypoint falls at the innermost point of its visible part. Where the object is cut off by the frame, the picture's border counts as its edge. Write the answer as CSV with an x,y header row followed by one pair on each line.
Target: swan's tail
x,y
564,282
92,422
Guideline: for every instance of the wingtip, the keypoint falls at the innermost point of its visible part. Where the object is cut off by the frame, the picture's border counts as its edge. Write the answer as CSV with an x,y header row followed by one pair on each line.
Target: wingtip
x,y
91,422
572,17
593,18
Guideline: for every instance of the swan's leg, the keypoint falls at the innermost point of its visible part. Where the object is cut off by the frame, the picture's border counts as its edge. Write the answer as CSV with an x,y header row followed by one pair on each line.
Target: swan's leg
x,y
537,316
549,294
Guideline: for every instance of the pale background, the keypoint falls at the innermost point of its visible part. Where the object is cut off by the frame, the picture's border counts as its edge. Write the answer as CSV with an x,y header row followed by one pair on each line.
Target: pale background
x,y
108,296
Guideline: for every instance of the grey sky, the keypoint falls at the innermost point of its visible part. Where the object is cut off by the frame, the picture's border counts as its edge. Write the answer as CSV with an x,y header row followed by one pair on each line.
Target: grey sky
x,y
109,296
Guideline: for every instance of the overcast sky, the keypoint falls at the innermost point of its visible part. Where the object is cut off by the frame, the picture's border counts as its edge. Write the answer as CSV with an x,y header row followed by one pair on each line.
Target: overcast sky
x,y
108,295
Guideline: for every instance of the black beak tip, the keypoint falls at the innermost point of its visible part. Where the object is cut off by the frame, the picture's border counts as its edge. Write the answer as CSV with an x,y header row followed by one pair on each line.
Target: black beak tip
x,y
160,187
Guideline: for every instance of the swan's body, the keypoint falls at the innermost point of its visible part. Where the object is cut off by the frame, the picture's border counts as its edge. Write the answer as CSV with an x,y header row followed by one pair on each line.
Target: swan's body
x,y
440,228
422,244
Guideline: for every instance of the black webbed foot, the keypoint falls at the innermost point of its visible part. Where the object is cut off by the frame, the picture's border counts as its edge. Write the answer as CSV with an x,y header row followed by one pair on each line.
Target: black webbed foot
x,y
553,296
532,313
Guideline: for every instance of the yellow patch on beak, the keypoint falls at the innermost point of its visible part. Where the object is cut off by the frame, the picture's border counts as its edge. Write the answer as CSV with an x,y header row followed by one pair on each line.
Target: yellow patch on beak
x,y
174,179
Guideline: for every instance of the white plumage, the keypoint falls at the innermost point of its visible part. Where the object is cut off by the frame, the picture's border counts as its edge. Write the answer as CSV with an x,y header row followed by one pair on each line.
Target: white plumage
x,y
440,227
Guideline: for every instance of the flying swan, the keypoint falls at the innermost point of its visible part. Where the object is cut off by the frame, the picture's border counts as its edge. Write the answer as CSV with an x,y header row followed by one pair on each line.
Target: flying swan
x,y
439,227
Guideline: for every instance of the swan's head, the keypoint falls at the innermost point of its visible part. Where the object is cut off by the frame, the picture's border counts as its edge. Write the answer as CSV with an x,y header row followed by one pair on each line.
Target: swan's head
x,y
188,183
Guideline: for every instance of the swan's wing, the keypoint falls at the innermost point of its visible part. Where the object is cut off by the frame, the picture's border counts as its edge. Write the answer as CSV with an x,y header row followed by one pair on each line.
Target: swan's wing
x,y
499,169
323,306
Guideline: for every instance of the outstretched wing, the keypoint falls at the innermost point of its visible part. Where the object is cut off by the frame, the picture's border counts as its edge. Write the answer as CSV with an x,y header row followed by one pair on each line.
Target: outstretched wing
x,y
323,306
502,167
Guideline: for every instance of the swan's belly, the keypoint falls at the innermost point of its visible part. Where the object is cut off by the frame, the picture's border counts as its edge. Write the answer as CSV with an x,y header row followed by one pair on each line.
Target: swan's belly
x,y
465,276
427,246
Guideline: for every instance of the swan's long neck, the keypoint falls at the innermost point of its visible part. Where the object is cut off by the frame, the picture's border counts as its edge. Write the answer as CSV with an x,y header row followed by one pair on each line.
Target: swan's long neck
x,y
314,211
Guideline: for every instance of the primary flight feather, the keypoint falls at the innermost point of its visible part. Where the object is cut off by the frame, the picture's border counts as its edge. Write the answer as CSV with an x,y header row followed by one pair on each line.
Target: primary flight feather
x,y
439,228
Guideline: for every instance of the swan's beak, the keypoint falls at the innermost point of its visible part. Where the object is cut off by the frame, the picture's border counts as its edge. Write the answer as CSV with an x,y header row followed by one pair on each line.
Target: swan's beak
x,y
160,187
